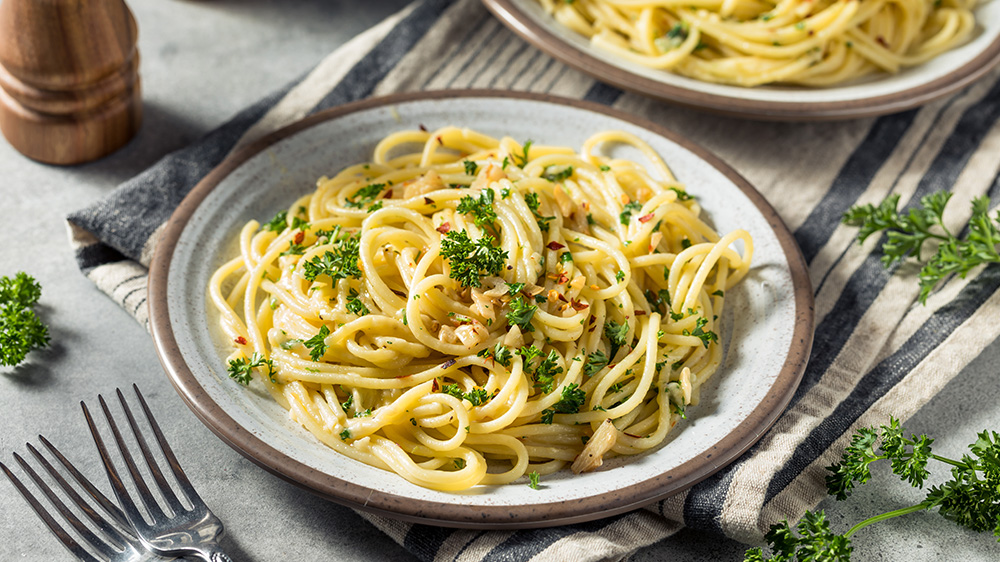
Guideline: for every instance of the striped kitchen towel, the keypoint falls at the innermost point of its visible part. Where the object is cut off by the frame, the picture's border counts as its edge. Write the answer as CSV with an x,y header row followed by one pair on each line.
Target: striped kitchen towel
x,y
876,351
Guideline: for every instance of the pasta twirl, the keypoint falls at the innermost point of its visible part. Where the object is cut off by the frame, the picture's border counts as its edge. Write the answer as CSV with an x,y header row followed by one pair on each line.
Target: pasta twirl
x,y
463,310
755,42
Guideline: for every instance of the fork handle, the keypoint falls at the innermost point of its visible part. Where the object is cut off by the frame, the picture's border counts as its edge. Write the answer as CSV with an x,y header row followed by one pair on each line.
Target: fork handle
x,y
211,552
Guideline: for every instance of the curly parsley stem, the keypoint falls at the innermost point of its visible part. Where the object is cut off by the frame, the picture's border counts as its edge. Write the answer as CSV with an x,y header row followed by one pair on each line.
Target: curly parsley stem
x,y
883,516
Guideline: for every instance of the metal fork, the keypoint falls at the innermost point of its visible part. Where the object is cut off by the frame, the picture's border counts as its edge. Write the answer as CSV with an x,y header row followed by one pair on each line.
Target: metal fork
x,y
180,532
112,540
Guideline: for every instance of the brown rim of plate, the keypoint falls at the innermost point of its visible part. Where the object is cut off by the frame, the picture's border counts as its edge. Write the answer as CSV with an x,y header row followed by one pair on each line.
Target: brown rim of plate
x,y
446,514
508,12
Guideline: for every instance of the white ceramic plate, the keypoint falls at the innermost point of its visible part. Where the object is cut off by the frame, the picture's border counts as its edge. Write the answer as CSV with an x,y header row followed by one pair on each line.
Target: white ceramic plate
x,y
767,337
875,95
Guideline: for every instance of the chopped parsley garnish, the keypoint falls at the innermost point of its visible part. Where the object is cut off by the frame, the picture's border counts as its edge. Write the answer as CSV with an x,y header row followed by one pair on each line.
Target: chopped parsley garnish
x,y
241,370
500,353
346,405
533,480
541,299
626,215
278,223
522,159
595,362
341,263
514,288
459,464
481,208
605,168
470,167
699,332
294,250
477,396
365,414
620,276
531,199
616,334
681,194
685,243
565,257
719,293
355,305
299,223
364,196
470,259
20,328
521,312
546,371
558,173
317,344
673,38
374,206
572,400
529,353
345,435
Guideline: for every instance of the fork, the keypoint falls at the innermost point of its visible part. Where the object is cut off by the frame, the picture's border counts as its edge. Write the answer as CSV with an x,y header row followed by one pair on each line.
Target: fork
x,y
112,539
180,532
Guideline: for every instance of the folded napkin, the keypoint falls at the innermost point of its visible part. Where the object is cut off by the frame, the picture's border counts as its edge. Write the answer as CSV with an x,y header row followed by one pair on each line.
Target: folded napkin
x,y
876,351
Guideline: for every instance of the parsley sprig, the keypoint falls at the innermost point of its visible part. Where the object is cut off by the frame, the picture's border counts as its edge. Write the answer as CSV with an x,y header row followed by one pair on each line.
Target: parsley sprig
x,y
20,328
481,208
341,263
570,402
241,370
907,233
470,259
971,498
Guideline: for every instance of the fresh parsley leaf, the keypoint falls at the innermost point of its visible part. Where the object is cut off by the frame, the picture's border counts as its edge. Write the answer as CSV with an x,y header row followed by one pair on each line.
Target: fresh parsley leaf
x,y
481,208
565,257
241,370
558,173
470,167
570,403
355,305
470,259
521,313
364,196
317,344
681,194
546,372
533,480
907,233
626,215
531,199
278,223
341,263
21,330
706,336
616,334
595,362
522,159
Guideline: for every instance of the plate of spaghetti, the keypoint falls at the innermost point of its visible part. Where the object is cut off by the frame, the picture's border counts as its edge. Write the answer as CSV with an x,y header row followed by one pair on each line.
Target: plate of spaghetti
x,y
787,60
481,309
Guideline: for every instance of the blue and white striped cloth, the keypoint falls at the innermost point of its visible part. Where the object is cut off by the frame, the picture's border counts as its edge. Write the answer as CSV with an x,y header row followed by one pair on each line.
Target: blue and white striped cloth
x,y
877,352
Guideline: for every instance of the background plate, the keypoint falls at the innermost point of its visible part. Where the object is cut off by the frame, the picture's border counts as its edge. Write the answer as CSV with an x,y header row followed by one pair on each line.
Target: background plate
x,y
768,324
874,95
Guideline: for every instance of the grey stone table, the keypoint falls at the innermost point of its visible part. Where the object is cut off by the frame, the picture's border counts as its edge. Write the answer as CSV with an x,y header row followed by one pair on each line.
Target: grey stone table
x,y
202,62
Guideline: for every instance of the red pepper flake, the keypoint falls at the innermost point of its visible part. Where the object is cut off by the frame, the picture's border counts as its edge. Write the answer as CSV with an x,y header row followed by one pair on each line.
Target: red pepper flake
x,y
299,236
563,279
553,245
388,194
447,364
438,138
881,41
577,305
634,436
435,386
646,218
428,201
240,340
562,297
640,312
445,228
422,128
591,330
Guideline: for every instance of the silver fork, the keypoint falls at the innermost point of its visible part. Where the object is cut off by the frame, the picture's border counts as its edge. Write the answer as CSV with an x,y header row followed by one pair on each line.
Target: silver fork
x,y
112,540
180,532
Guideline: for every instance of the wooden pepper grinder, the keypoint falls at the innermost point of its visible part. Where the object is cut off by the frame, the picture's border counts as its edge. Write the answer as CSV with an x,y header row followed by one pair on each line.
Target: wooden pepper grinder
x,y
69,78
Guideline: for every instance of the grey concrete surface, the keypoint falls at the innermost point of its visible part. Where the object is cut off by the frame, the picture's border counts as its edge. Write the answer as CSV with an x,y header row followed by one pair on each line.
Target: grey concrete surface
x,y
201,62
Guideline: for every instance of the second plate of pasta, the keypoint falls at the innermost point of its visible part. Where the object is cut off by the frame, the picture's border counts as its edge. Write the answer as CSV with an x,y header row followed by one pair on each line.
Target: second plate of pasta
x,y
481,310
792,60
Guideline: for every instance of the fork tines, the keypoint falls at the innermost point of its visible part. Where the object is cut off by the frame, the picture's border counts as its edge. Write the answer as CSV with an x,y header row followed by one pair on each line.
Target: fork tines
x,y
108,536
121,492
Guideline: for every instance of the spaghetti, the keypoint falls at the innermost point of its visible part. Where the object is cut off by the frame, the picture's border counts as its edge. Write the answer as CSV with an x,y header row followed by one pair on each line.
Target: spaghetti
x,y
755,42
463,310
